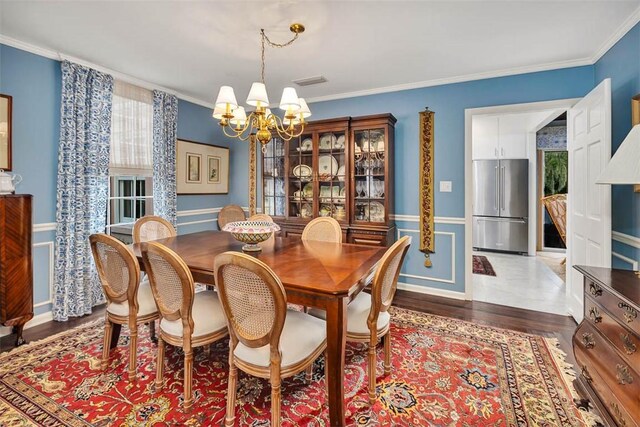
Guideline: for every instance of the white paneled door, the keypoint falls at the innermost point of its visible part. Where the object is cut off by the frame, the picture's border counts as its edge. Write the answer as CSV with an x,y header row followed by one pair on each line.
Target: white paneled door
x,y
589,204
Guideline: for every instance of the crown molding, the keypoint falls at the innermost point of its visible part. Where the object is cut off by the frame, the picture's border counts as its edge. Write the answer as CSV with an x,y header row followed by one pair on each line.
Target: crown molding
x,y
59,56
627,25
458,79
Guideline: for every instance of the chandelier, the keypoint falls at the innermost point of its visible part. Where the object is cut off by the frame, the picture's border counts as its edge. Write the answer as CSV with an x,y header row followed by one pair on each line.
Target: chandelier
x,y
261,123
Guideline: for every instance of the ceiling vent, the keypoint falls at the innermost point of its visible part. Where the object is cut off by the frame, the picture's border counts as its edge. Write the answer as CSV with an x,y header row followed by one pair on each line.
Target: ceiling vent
x,y
311,81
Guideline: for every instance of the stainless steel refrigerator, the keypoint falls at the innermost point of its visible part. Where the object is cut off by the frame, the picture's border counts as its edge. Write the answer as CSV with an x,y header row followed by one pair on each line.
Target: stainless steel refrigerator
x,y
501,205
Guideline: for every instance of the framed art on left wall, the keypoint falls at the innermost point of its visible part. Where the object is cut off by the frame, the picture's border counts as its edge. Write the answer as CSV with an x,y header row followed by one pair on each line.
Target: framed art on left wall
x,y
202,168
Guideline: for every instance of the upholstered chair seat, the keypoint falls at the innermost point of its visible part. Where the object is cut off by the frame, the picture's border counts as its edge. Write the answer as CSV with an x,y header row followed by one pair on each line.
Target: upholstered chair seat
x,y
146,303
208,317
357,314
302,336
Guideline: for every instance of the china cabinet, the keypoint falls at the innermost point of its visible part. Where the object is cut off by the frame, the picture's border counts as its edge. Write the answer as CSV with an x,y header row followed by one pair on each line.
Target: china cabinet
x,y
341,168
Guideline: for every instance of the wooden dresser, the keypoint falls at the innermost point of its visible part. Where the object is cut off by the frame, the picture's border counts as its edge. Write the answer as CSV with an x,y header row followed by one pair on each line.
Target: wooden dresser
x,y
606,344
16,265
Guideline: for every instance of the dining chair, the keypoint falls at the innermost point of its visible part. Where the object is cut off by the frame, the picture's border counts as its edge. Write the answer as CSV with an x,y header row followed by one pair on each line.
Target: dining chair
x,y
129,302
267,340
151,227
323,229
367,315
187,319
261,217
230,213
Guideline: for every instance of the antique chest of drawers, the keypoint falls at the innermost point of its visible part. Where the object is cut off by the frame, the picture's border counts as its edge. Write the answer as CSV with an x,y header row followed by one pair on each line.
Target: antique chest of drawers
x,y
606,344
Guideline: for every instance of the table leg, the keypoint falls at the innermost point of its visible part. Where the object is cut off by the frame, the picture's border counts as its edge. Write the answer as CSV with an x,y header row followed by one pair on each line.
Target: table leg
x,y
336,343
115,335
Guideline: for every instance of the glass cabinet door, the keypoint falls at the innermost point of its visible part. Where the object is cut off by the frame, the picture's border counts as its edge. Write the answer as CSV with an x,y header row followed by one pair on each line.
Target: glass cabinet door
x,y
301,177
273,178
332,160
369,171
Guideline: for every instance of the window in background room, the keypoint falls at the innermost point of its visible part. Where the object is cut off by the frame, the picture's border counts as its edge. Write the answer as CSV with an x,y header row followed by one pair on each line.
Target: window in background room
x,y
131,163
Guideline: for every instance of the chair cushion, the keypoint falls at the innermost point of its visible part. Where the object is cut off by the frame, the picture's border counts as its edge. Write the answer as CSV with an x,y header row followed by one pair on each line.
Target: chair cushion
x,y
301,336
357,314
207,313
146,303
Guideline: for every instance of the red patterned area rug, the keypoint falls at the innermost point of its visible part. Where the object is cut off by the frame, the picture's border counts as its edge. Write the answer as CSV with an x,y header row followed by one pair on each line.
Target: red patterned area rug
x,y
481,265
446,372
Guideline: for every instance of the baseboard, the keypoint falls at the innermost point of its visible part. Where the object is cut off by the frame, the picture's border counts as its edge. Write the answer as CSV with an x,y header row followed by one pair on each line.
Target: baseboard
x,y
431,291
37,320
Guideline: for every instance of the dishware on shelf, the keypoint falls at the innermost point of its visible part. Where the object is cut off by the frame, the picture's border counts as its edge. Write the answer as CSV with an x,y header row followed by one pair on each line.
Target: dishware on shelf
x,y
306,145
375,212
325,210
343,192
307,191
340,213
303,171
327,141
325,191
327,165
306,211
251,233
297,195
8,182
341,173
339,144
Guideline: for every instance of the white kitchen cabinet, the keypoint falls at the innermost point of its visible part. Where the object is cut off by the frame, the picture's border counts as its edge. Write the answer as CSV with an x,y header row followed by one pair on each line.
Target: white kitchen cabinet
x,y
500,137
484,130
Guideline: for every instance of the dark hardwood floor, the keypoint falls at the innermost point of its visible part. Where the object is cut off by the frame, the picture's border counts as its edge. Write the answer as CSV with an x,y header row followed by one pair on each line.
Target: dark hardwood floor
x,y
533,322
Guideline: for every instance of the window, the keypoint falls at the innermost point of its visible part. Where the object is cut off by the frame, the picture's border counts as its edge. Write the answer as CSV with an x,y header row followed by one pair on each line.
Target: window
x,y
131,159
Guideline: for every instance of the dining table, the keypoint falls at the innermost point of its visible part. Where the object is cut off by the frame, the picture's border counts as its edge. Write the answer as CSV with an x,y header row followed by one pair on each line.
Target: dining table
x,y
316,274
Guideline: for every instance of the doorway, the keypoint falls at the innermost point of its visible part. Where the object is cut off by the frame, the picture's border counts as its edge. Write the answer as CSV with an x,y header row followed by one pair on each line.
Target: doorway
x,y
514,269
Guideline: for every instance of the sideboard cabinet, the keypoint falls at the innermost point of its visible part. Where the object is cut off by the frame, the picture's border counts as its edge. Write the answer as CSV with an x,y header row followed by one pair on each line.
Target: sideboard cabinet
x,y
606,344
16,265
342,168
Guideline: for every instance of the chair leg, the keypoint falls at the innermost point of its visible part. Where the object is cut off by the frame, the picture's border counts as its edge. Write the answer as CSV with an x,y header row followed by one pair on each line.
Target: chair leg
x,y
275,400
152,332
188,372
160,364
106,345
229,419
387,353
308,373
372,372
133,345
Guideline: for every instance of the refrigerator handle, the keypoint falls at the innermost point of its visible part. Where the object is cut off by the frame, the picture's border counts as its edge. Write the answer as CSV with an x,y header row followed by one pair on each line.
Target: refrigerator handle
x,y
502,173
497,198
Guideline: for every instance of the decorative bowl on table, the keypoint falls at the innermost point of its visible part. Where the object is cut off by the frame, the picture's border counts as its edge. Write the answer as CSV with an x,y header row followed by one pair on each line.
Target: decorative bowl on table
x,y
251,233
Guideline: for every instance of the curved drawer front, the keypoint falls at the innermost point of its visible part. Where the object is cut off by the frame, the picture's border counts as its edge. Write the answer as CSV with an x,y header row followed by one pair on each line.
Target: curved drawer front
x,y
627,342
624,312
593,353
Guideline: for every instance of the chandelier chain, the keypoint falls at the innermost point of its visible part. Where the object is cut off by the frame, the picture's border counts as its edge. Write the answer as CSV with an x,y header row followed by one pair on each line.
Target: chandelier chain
x,y
272,44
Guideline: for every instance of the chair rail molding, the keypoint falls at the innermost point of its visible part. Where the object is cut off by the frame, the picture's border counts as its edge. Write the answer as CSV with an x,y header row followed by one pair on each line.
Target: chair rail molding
x,y
627,239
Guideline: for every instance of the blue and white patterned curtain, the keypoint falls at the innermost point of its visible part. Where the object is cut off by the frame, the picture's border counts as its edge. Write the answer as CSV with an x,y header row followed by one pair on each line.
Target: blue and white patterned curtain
x,y
165,125
83,182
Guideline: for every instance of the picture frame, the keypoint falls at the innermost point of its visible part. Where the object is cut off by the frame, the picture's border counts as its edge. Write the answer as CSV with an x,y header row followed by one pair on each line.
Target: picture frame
x,y
201,168
6,102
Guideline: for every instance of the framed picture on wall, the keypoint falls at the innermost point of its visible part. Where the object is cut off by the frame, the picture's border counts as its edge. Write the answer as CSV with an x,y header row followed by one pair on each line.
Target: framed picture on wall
x,y
201,168
193,168
213,169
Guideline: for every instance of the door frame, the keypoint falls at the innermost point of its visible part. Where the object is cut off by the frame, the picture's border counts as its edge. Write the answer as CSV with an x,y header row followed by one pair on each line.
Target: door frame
x,y
558,106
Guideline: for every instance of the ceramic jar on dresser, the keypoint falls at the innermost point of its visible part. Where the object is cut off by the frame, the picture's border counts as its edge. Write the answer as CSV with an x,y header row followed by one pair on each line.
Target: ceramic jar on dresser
x,y
606,344
341,168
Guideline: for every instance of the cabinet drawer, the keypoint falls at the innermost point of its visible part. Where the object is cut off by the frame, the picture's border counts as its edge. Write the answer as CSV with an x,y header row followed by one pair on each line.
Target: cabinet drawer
x,y
619,309
609,400
367,239
627,342
593,353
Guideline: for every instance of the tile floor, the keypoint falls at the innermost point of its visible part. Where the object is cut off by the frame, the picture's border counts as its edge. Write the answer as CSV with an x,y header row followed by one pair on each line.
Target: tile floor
x,y
522,282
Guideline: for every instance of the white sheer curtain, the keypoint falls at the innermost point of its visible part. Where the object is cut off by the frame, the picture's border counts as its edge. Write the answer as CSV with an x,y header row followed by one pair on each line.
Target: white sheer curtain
x,y
131,131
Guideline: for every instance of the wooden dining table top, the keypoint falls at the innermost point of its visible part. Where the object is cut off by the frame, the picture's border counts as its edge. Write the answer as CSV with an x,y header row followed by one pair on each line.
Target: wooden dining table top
x,y
332,269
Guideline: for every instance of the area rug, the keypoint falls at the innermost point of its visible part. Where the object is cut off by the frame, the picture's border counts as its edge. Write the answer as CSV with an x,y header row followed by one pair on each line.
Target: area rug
x,y
446,372
481,265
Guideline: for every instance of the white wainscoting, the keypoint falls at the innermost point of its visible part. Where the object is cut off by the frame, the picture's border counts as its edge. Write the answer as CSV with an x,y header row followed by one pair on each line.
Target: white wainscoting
x,y
452,279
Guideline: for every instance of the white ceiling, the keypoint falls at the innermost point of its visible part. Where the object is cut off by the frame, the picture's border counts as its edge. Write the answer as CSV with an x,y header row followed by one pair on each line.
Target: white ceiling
x,y
194,47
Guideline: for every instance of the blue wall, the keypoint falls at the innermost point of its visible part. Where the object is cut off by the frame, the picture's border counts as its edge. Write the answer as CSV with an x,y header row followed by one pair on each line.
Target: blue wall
x,y
622,64
34,82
